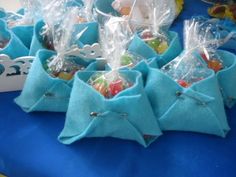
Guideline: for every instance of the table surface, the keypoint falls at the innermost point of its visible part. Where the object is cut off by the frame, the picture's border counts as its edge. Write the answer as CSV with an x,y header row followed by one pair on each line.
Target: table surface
x,y
29,146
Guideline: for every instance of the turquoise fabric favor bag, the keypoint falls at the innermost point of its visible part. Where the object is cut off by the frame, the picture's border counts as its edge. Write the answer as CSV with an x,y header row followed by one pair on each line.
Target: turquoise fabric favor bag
x,y
37,40
24,33
128,115
42,92
198,108
141,48
89,37
15,48
227,77
2,13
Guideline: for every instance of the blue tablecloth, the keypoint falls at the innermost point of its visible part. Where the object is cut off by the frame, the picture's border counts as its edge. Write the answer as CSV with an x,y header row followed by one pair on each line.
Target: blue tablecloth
x,y
29,146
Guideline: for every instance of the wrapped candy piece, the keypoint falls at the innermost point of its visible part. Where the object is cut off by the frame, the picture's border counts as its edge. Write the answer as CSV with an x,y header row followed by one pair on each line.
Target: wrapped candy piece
x,y
68,68
212,29
52,19
114,41
130,59
189,67
109,88
53,13
161,15
61,65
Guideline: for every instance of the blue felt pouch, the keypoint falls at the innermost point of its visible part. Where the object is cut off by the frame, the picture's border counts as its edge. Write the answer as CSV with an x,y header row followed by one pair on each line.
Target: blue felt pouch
x,y
15,48
42,92
128,115
140,47
198,108
227,77
104,11
24,33
89,37
2,13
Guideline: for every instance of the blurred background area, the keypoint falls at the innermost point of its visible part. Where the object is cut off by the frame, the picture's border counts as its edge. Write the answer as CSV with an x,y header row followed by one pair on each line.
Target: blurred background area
x,y
10,5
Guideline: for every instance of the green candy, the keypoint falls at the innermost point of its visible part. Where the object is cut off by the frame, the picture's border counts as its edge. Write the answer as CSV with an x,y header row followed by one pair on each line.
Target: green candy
x,y
100,80
126,60
154,43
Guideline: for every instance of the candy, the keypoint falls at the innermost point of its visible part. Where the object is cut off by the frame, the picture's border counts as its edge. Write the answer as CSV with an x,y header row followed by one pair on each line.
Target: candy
x,y
101,88
108,88
81,19
63,69
183,83
116,87
125,10
160,46
215,64
65,76
146,34
127,60
163,46
154,43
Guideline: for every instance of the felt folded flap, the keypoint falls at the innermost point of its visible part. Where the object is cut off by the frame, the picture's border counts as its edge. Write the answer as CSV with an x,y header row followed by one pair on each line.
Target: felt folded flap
x,y
42,92
186,115
24,33
37,39
90,36
56,98
198,108
227,77
14,48
114,125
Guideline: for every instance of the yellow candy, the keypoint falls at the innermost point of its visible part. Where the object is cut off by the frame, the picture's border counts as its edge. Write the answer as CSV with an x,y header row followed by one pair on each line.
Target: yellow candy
x,y
125,10
65,76
162,47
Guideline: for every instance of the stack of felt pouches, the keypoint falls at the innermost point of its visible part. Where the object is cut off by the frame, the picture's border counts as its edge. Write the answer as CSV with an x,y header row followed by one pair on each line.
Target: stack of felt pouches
x,y
152,103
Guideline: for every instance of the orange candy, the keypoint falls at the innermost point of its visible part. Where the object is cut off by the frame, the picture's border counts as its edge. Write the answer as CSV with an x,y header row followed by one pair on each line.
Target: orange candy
x,y
125,10
214,64
183,83
101,88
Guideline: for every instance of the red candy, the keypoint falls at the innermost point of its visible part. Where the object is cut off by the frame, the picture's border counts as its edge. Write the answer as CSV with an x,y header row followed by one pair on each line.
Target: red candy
x,y
146,35
183,83
116,87
204,57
